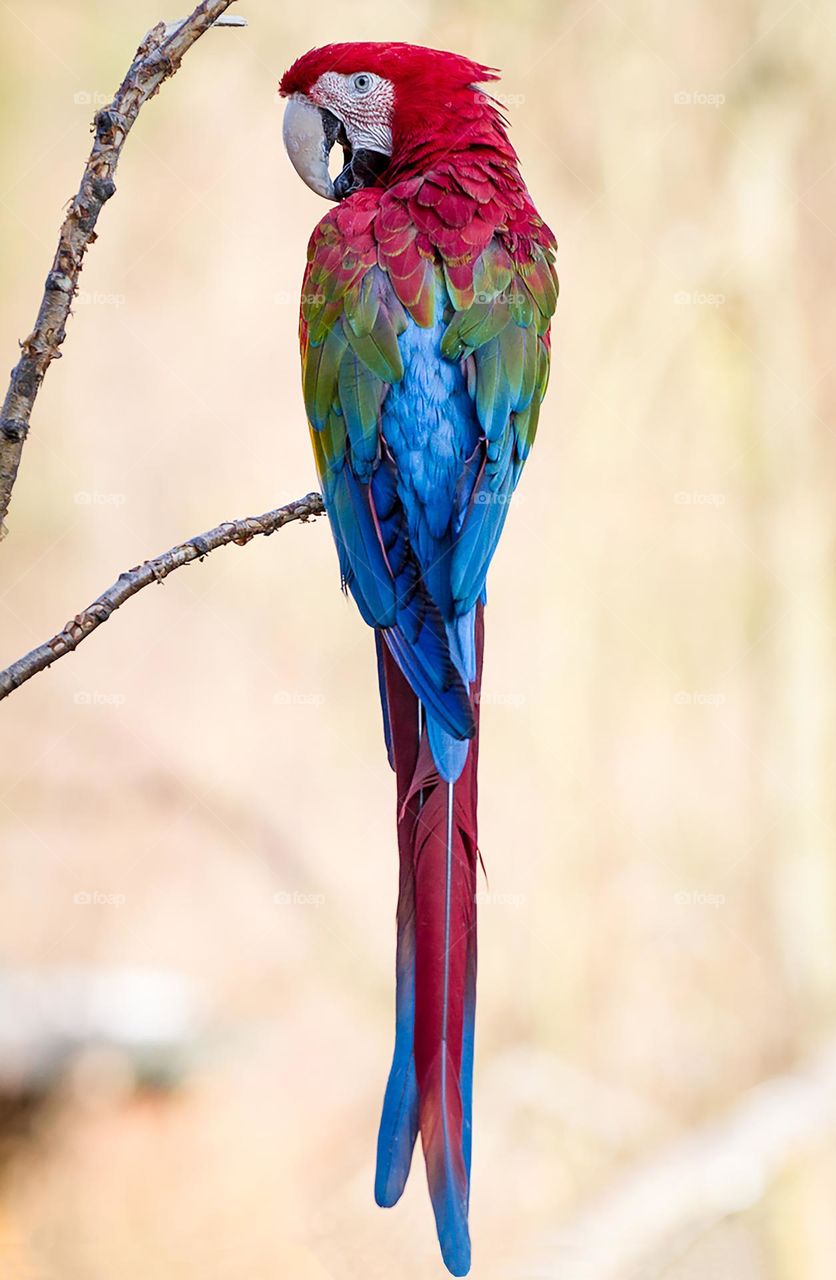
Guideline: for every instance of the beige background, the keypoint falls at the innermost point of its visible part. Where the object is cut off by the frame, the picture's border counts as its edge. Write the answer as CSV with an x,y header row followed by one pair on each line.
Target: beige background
x,y
657,784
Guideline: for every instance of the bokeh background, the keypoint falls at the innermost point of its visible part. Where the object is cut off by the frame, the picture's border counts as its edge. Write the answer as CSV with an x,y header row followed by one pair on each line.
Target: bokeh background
x,y
196,814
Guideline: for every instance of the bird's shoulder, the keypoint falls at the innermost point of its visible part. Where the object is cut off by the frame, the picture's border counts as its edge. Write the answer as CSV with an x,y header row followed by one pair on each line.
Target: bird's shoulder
x,y
470,223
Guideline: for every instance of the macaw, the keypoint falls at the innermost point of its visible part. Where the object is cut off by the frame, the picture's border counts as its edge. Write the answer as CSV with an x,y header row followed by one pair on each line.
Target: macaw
x,y
424,329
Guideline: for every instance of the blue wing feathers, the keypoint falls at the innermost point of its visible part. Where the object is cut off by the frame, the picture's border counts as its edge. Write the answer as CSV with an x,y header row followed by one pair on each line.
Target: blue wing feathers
x,y
431,458
384,700
362,562
433,677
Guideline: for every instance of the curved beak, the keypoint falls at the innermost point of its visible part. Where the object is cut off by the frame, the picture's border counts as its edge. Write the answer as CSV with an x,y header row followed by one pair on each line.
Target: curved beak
x,y
309,135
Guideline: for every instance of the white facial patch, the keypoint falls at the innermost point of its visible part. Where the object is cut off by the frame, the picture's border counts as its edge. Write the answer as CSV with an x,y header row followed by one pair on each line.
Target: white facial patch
x,y
364,103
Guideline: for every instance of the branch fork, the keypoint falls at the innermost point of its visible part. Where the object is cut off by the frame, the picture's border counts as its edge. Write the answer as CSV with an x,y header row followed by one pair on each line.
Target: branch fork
x,y
158,57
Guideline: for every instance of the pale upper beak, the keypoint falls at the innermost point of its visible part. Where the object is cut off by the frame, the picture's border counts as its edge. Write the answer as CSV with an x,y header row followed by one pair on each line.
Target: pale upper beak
x,y
309,134
308,145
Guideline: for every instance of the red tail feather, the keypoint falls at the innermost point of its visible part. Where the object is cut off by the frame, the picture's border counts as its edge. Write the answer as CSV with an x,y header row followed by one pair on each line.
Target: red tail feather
x,y
440,921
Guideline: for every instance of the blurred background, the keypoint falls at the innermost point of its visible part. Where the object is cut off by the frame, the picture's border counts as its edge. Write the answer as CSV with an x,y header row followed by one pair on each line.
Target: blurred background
x,y
196,813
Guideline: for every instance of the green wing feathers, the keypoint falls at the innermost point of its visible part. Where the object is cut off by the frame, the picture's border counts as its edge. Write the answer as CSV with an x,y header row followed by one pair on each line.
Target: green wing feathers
x,y
360,296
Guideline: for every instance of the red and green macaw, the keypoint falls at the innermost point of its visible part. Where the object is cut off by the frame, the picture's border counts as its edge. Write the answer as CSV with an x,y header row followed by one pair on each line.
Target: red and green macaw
x,y
426,306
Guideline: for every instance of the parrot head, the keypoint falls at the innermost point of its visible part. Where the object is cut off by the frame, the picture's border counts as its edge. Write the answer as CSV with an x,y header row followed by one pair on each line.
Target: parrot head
x,y
382,103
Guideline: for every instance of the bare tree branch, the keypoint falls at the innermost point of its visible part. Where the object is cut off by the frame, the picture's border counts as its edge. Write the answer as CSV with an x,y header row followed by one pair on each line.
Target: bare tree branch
x,y
128,584
158,57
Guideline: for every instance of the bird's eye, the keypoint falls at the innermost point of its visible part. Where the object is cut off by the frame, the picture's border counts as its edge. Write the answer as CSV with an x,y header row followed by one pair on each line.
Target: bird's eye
x,y
362,83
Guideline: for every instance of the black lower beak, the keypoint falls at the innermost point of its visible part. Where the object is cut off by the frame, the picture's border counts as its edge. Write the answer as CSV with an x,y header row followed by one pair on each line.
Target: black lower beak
x,y
361,168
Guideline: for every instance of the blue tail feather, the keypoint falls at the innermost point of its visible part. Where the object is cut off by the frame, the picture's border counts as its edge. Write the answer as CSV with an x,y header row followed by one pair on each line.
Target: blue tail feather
x,y
450,751
399,1120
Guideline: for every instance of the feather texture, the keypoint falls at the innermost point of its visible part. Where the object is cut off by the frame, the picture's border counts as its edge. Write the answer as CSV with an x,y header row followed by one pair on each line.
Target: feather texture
x,y
424,331
431,1079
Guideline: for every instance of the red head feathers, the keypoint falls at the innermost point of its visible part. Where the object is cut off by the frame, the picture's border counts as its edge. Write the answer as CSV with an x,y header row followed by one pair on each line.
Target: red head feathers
x,y
437,104
410,67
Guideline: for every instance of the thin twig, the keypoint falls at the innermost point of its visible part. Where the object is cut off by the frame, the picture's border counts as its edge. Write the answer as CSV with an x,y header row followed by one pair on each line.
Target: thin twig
x,y
157,58
128,584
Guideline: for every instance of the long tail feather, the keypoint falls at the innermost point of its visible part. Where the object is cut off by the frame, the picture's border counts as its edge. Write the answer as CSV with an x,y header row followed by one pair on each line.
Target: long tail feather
x,y
430,1083
399,1121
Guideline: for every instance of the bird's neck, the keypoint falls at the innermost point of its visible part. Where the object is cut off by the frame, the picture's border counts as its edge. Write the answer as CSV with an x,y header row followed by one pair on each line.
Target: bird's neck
x,y
474,132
